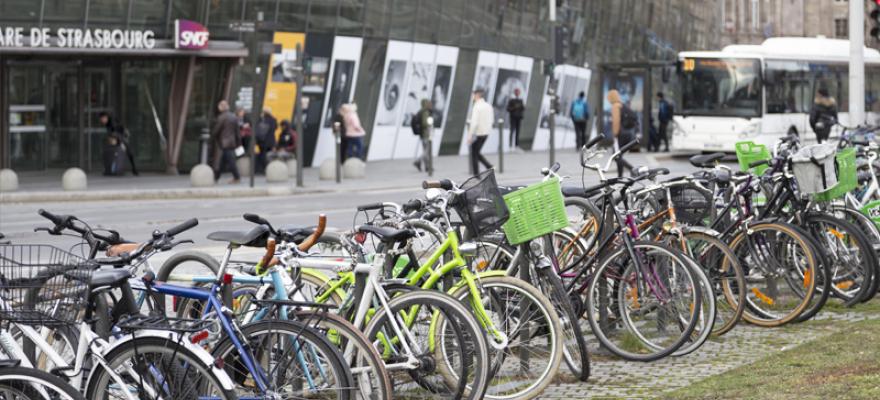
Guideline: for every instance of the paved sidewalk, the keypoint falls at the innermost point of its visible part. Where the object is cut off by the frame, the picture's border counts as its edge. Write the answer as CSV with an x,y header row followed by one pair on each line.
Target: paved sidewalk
x,y
392,174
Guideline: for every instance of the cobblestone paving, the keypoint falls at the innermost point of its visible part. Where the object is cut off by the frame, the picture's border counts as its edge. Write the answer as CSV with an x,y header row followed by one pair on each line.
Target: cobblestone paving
x,y
745,344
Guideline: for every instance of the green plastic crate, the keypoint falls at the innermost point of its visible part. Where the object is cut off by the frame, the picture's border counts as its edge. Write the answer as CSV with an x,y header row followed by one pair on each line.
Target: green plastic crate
x,y
749,152
847,178
535,211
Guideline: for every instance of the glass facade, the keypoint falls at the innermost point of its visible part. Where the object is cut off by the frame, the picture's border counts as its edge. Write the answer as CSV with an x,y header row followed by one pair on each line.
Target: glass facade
x,y
593,32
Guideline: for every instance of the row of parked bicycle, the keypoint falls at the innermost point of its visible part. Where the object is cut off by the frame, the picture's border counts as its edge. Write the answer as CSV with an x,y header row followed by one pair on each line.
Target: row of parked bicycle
x,y
470,291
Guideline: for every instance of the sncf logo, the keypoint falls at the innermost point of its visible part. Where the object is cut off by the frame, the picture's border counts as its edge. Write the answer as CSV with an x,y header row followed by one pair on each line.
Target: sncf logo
x,y
190,35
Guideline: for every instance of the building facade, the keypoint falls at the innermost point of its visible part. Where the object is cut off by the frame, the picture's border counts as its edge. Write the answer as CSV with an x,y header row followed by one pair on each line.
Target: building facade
x,y
752,21
52,91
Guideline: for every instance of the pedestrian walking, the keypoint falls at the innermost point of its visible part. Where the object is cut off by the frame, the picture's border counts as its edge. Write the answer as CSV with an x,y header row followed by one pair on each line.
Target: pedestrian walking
x,y
516,109
264,138
823,116
421,127
354,132
624,125
665,112
480,126
227,141
116,147
580,114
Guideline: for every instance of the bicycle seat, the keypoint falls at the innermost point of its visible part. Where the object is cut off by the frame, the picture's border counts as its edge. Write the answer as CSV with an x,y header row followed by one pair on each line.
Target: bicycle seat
x,y
706,160
109,278
295,234
388,235
256,237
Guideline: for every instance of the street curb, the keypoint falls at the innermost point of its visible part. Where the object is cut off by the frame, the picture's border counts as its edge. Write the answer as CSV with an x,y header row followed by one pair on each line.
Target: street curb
x,y
206,193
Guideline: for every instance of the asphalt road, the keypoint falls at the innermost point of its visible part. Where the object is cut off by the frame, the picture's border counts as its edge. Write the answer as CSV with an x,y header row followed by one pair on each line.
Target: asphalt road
x,y
135,220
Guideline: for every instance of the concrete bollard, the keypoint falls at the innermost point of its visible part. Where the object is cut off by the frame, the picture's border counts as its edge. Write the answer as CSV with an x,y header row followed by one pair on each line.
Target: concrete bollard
x,y
244,166
74,179
328,170
291,167
354,168
8,180
201,176
276,171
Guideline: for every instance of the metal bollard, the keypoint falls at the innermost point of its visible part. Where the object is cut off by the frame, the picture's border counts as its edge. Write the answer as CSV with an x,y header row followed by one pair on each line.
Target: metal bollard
x,y
554,108
500,145
203,143
430,147
336,134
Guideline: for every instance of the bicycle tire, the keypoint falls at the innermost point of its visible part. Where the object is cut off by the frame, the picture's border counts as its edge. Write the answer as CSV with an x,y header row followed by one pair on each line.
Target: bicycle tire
x,y
604,265
753,314
23,380
870,229
471,343
867,261
100,381
733,294
226,351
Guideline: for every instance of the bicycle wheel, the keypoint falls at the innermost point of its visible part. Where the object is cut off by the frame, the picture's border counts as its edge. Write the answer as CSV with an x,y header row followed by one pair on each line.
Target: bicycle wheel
x,y
178,268
645,310
872,232
21,383
296,362
850,253
448,344
584,218
575,352
530,359
780,269
706,314
371,380
726,275
155,367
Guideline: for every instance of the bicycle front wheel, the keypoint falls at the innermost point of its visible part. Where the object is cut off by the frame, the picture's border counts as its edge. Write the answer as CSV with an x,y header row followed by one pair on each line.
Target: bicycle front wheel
x,y
644,309
157,368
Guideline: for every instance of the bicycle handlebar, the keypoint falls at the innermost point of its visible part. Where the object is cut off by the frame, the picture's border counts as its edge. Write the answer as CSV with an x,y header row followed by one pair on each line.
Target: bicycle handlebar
x,y
185,226
593,142
444,184
371,206
313,238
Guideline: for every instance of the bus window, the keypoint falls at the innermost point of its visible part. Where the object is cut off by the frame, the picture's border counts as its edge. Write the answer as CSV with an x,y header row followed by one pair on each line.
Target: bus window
x,y
872,88
786,84
721,87
835,78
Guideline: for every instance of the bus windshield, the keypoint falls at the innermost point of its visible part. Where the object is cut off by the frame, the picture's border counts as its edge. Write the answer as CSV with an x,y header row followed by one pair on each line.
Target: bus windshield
x,y
721,87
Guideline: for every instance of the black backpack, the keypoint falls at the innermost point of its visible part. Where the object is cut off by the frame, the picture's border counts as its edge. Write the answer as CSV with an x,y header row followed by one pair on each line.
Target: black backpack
x,y
416,124
628,117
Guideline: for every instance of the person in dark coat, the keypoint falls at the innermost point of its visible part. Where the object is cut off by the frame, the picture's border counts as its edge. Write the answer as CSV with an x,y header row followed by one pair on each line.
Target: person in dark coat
x,y
665,112
264,136
226,138
114,142
823,116
516,109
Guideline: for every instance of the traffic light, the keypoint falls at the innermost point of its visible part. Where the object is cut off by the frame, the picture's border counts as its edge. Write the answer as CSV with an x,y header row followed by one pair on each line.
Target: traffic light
x,y
875,20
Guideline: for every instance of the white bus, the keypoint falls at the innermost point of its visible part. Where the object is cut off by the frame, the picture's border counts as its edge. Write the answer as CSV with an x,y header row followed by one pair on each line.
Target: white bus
x,y
761,92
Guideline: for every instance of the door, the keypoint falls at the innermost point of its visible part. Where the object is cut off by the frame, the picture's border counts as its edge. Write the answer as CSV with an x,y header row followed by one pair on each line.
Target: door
x,y
98,99
27,118
63,139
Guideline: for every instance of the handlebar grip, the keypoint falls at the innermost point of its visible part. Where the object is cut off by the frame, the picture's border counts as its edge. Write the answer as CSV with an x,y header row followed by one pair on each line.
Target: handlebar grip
x,y
756,163
860,142
594,141
313,238
444,184
186,225
56,219
555,167
628,146
371,206
253,218
413,205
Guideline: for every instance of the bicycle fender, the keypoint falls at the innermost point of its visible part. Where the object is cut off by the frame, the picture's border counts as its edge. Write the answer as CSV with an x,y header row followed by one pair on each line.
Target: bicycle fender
x,y
198,351
700,229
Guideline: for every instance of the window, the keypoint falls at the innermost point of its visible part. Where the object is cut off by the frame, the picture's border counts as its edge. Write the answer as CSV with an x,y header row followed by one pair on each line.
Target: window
x,y
841,27
722,87
789,87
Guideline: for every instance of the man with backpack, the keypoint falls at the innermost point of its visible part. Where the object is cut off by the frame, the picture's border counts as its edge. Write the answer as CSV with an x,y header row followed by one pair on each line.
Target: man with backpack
x,y
665,111
580,113
265,138
421,127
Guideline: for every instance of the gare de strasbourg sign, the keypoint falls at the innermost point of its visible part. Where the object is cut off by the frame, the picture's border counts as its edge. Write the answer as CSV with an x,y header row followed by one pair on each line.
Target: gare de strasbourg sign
x,y
188,35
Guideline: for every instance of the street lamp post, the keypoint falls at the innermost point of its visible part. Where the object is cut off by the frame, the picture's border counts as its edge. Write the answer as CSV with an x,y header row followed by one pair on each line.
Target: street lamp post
x,y
337,134
552,83
297,115
856,62
500,145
